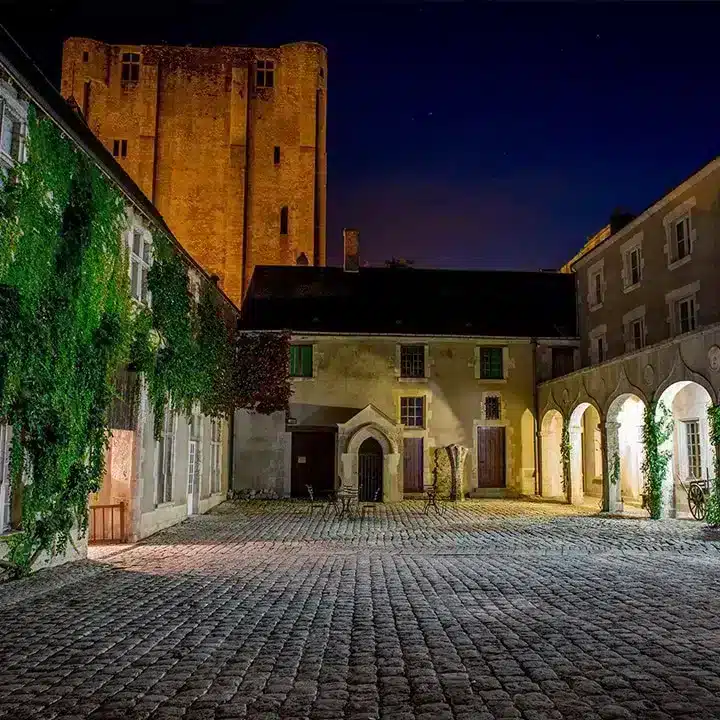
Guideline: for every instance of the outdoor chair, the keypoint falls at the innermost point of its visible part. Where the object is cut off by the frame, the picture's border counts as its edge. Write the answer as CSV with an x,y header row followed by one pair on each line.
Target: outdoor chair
x,y
327,502
432,500
347,499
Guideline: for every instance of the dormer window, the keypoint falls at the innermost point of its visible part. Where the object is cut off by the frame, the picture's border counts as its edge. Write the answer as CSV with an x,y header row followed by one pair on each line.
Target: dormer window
x,y
265,74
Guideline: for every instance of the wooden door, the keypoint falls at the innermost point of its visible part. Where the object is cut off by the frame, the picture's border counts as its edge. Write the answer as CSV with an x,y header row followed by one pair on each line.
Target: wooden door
x,y
313,463
413,462
491,457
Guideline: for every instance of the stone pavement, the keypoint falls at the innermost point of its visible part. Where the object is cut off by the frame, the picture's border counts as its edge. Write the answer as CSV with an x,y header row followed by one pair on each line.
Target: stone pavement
x,y
498,609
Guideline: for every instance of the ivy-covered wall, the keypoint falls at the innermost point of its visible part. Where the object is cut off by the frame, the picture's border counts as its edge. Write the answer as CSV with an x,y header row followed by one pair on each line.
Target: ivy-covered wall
x,y
68,324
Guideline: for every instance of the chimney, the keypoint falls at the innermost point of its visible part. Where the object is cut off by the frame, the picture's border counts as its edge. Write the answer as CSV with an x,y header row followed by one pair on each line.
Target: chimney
x,y
619,219
351,243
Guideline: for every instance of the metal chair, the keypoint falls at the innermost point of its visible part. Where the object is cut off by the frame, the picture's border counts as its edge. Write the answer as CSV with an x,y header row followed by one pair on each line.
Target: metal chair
x,y
347,498
371,505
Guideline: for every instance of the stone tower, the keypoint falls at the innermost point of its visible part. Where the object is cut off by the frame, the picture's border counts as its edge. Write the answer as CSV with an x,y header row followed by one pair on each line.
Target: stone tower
x,y
229,144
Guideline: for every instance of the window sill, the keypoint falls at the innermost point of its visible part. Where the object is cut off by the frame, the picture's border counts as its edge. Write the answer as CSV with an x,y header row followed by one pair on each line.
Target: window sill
x,y
630,288
595,307
301,378
679,263
412,379
492,381
418,429
168,504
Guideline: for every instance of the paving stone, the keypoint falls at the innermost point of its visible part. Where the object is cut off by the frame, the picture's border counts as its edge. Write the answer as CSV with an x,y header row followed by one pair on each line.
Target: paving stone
x,y
496,609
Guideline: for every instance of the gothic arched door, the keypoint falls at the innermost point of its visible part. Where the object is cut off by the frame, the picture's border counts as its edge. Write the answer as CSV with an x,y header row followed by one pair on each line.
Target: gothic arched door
x,y
370,470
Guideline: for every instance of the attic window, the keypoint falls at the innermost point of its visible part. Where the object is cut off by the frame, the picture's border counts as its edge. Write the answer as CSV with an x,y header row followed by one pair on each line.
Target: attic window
x,y
284,220
276,155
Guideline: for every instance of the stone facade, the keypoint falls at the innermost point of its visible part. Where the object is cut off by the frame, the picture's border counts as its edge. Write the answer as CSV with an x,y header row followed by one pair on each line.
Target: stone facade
x,y
356,389
229,144
654,278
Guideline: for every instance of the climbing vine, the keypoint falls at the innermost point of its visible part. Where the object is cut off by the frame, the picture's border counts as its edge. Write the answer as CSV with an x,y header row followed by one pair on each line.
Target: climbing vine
x,y
657,429
565,456
68,325
65,327
712,513
615,469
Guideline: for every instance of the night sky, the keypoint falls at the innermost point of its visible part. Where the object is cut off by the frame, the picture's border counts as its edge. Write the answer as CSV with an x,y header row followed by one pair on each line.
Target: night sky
x,y
465,135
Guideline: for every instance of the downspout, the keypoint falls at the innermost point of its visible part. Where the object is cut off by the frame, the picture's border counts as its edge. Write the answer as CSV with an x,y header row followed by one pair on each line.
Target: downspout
x,y
536,412
231,454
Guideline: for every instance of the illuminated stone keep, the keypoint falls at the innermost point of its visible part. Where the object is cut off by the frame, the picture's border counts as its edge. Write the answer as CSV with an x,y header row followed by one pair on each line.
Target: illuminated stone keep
x,y
227,142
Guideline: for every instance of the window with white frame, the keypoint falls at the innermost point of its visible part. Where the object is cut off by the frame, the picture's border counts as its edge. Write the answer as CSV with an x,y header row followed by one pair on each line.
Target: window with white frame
x,y
693,449
166,459
5,480
596,286
140,257
680,238
215,455
598,344
632,267
637,334
12,133
412,411
685,314
194,453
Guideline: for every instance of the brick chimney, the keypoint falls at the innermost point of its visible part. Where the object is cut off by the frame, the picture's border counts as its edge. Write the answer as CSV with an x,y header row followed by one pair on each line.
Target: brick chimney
x,y
351,243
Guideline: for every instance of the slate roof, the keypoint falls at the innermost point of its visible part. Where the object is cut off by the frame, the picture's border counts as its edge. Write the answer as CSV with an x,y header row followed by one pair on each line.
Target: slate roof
x,y
411,301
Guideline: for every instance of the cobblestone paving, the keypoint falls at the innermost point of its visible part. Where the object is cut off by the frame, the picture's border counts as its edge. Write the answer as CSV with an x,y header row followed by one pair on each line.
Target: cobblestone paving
x,y
499,609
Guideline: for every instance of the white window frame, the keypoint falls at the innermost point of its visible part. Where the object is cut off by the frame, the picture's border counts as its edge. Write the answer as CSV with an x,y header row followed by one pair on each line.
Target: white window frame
x,y
169,430
686,443
5,479
627,249
674,299
142,262
216,433
18,109
598,333
195,440
630,321
595,270
680,214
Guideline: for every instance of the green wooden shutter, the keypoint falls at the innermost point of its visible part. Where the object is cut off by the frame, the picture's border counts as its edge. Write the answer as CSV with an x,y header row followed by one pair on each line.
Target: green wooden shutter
x,y
294,360
306,361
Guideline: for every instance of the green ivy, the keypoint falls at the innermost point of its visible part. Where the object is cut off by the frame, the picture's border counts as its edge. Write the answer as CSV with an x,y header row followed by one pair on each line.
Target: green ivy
x,y
68,325
712,513
565,456
657,429
65,328
615,470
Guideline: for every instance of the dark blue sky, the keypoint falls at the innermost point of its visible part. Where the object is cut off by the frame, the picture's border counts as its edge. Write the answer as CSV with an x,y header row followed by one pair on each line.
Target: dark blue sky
x,y
468,134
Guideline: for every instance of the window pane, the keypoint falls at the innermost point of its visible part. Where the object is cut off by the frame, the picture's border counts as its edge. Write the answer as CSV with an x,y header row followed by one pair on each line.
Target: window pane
x,y
491,367
134,278
137,243
6,141
412,361
144,284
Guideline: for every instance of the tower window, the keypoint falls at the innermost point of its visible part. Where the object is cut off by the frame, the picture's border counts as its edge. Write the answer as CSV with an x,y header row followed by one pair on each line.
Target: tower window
x,y
119,148
86,55
276,155
265,74
284,220
130,69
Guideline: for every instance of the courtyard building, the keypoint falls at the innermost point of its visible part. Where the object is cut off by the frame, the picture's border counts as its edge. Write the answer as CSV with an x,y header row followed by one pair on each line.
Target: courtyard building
x,y
228,143
149,483
649,326
390,366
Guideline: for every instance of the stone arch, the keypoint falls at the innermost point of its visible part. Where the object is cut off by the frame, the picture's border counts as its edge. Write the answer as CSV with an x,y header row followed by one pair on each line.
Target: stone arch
x,y
586,459
551,456
689,446
624,451
672,380
370,430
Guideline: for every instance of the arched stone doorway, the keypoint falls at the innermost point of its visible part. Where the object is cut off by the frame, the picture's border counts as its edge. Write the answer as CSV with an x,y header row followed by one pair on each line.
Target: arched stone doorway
x,y
624,433
552,469
586,471
689,444
370,470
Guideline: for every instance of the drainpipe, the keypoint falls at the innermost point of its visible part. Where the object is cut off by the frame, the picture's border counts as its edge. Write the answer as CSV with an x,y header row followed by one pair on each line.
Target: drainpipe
x,y
231,452
536,409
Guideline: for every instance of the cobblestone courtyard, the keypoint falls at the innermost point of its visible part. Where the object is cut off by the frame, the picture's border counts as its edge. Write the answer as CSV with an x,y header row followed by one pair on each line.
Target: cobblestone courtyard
x,y
497,610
